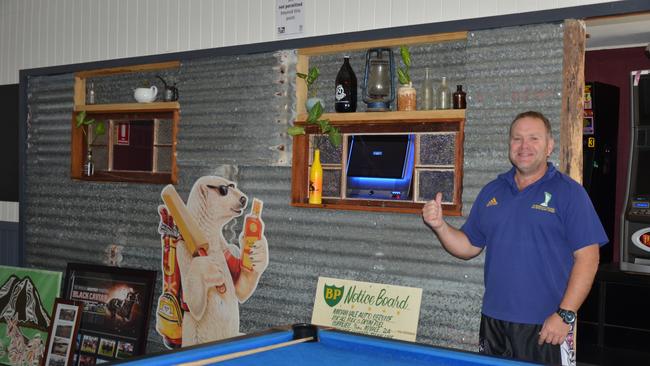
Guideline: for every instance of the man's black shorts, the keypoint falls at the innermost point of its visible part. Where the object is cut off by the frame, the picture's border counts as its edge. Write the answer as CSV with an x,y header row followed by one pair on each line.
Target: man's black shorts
x,y
519,341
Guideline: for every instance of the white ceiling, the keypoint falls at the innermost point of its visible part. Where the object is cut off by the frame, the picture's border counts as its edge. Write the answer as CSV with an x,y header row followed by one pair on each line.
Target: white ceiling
x,y
618,32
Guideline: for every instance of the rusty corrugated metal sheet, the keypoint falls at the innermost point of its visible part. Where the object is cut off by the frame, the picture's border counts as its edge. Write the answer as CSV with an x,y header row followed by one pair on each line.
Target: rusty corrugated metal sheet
x,y
234,115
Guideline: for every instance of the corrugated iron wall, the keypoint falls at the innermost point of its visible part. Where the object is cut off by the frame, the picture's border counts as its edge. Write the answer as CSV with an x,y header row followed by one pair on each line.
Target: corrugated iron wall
x,y
234,115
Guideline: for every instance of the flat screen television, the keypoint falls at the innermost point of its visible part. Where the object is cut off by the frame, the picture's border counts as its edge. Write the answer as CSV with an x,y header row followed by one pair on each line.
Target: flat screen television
x,y
380,166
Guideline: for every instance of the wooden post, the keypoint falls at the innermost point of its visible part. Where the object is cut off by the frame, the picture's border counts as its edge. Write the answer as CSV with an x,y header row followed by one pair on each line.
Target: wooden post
x,y
572,99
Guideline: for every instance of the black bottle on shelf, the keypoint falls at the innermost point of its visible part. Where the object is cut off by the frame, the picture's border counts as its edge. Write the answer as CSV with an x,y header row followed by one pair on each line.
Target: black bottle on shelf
x,y
459,98
346,88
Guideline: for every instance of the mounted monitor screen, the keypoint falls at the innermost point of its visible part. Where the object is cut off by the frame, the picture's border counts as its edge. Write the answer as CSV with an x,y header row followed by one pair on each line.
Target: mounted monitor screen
x,y
377,156
380,166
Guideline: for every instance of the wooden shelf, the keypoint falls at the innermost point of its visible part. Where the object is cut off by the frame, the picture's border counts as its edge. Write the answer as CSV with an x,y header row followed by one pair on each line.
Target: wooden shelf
x,y
375,206
388,117
131,177
128,107
109,113
431,122
424,122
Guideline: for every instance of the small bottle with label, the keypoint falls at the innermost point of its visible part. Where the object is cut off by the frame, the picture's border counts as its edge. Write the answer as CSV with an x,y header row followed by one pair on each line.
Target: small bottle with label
x,y
91,93
459,98
316,180
89,165
253,230
346,88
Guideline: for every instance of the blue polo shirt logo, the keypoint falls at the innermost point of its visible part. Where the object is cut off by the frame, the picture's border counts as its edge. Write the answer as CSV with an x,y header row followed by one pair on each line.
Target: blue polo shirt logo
x,y
492,202
544,205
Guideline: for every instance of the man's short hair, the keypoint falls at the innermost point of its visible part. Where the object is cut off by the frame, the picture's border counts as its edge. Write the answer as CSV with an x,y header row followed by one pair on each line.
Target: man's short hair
x,y
533,114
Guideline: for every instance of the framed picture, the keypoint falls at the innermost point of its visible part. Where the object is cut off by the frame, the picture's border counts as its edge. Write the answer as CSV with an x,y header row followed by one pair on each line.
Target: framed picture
x,y
62,335
116,309
27,297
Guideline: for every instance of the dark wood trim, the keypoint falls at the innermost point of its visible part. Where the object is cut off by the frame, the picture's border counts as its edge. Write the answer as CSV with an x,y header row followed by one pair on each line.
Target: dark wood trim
x,y
377,206
129,176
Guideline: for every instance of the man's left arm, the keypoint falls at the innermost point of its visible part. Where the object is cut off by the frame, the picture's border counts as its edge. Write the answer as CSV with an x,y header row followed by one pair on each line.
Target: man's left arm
x,y
582,276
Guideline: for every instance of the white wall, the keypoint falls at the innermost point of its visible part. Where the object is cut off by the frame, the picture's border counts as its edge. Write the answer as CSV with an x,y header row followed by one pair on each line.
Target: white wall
x,y
38,33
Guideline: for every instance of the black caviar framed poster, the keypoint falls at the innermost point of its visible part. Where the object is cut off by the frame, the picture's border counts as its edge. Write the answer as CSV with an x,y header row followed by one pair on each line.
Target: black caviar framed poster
x,y
117,306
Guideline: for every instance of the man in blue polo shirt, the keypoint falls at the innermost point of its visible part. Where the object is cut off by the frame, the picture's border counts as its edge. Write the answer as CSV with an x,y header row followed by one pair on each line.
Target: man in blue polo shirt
x,y
541,236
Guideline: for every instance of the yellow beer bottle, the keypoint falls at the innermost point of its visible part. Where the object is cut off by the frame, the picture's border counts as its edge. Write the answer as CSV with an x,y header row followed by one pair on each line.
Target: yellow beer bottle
x,y
316,180
253,228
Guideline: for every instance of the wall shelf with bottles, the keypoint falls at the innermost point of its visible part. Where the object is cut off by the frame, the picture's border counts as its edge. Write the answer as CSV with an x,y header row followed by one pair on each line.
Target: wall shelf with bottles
x,y
438,160
437,132
140,140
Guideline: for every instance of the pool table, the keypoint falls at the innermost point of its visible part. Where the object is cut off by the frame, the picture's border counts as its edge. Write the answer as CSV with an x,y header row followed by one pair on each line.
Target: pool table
x,y
327,347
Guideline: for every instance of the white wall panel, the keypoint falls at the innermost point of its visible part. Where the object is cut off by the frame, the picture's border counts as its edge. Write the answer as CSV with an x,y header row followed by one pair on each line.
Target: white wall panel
x,y
366,14
39,33
469,8
267,22
320,16
398,12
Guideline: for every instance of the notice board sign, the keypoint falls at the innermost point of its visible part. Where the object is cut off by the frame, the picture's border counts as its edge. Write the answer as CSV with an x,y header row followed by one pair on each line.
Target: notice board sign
x,y
369,308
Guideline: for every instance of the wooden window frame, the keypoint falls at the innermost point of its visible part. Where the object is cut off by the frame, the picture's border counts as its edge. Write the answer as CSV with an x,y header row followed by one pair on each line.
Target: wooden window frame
x,y
122,111
379,122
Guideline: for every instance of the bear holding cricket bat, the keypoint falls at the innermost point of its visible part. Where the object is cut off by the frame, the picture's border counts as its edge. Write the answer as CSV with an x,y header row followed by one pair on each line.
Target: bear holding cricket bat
x,y
205,278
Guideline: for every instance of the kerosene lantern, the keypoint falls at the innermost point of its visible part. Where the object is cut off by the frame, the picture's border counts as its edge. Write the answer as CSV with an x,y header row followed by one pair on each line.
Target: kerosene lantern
x,y
378,82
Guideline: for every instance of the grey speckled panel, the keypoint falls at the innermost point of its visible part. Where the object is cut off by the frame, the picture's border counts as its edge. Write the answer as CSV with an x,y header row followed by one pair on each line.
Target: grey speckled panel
x,y
234,114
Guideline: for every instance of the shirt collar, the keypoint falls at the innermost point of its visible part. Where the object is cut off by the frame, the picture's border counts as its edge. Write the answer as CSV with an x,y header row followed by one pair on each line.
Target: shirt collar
x,y
509,177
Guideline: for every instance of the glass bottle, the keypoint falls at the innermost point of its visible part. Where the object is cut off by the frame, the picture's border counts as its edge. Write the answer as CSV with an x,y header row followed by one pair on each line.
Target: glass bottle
x,y
253,228
427,91
91,93
444,95
459,98
316,180
346,88
89,166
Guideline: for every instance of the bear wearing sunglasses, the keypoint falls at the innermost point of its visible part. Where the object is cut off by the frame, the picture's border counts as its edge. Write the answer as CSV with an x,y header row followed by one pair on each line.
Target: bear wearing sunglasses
x,y
213,281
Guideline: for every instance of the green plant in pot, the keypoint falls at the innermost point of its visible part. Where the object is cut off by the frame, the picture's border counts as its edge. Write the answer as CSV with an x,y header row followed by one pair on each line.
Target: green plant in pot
x,y
99,129
406,95
310,78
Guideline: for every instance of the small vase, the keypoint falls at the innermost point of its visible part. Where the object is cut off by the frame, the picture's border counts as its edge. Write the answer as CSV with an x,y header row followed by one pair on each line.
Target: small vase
x,y
89,165
312,102
406,98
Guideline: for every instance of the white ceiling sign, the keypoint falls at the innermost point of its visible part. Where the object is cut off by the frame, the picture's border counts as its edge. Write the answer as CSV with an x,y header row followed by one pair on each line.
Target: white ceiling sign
x,y
289,17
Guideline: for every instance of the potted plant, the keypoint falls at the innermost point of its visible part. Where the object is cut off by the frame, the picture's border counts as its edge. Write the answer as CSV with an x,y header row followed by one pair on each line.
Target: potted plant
x,y
99,129
312,90
406,95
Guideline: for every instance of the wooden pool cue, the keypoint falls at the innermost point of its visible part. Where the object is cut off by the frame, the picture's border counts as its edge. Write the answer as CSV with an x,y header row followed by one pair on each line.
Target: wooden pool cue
x,y
253,351
195,241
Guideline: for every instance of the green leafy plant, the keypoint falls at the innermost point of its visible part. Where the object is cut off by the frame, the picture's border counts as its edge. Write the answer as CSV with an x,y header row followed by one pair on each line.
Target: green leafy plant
x,y
98,126
310,78
403,72
333,133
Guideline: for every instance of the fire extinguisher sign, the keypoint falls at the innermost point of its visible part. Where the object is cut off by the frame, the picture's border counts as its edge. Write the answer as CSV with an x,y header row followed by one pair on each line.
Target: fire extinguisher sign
x,y
123,133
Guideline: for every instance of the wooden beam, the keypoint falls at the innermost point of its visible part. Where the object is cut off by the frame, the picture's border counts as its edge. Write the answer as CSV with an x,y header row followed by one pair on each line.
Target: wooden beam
x,y
129,69
301,85
384,43
128,107
389,117
572,99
